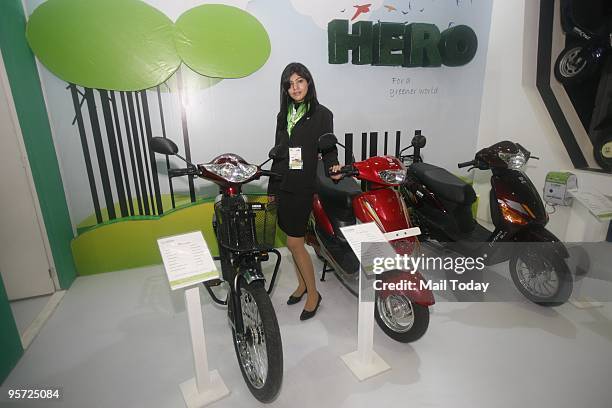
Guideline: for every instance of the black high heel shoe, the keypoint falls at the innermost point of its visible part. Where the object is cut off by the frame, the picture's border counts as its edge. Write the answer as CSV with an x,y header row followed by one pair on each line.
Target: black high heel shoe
x,y
295,299
306,314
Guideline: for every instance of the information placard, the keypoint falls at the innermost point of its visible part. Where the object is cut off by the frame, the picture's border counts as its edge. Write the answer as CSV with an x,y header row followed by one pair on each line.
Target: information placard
x,y
598,204
369,238
187,259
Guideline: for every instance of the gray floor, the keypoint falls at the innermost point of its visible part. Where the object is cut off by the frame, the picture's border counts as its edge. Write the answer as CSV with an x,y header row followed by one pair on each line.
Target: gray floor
x,y
121,340
26,310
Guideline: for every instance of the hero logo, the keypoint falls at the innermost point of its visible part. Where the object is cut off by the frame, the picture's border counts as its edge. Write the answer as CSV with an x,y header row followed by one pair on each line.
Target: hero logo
x,y
399,44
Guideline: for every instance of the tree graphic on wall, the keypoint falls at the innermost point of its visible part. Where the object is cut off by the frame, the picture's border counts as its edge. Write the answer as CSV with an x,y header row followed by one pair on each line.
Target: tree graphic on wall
x,y
115,54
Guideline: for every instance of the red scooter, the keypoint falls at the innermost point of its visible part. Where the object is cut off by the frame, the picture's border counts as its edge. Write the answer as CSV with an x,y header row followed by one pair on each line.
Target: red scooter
x,y
402,315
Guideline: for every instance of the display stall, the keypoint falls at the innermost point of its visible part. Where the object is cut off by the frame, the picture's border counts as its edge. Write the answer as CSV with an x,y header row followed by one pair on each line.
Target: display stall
x,y
453,158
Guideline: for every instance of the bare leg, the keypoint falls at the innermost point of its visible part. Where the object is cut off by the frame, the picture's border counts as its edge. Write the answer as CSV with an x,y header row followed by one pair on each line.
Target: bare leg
x,y
305,268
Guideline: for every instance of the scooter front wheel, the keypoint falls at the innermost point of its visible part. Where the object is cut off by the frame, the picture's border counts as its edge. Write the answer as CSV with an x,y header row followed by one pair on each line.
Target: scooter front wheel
x,y
258,348
541,277
400,318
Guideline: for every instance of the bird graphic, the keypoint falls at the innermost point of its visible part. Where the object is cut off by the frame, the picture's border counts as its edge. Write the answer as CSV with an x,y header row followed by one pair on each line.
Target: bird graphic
x,y
364,8
343,10
390,8
421,10
404,12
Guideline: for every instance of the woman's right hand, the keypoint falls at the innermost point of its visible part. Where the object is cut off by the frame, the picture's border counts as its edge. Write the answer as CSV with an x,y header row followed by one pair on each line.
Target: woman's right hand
x,y
336,169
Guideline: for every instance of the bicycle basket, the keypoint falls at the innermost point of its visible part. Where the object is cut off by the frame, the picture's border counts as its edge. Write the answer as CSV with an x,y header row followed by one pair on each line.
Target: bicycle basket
x,y
245,226
265,221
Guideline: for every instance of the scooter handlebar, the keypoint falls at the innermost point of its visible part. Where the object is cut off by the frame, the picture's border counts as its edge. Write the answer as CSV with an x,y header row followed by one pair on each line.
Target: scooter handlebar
x,y
348,170
466,164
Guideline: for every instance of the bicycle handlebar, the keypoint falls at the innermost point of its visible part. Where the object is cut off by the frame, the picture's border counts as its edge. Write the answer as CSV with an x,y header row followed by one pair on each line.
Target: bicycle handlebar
x,y
189,171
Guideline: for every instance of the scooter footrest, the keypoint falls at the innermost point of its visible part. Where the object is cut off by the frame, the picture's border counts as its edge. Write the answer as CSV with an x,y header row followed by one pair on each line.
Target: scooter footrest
x,y
213,282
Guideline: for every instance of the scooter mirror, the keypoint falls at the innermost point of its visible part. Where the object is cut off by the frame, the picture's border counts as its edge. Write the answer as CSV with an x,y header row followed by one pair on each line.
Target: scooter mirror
x,y
419,141
163,146
327,141
277,152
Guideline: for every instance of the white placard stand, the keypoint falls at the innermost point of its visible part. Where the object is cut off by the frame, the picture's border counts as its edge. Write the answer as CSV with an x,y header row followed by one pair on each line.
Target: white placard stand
x,y
365,362
187,261
207,386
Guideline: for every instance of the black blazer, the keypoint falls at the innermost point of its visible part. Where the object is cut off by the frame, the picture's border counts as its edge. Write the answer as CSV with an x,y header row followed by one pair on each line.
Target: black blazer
x,y
318,121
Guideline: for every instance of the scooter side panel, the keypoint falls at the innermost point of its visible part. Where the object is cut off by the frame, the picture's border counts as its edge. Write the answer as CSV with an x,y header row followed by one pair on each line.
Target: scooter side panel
x,y
517,191
430,212
382,207
321,218
542,235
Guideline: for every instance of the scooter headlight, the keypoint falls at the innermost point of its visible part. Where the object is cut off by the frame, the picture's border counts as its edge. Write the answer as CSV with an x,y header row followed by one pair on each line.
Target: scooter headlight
x,y
234,173
393,176
515,161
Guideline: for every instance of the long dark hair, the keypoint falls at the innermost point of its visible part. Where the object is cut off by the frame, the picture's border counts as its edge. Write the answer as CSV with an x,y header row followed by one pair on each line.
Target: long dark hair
x,y
285,99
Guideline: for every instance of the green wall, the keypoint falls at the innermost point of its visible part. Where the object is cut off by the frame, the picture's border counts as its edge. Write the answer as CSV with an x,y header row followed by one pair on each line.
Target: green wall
x,y
10,343
31,111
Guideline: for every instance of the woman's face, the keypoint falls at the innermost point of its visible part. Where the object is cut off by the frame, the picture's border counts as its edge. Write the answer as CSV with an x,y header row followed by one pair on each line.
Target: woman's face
x,y
298,88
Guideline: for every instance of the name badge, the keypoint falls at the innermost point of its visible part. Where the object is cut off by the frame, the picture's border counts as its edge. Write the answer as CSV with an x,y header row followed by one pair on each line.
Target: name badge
x,y
295,158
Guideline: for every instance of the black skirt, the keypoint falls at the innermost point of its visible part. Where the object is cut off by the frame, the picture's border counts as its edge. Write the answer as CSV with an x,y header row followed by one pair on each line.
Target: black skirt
x,y
293,212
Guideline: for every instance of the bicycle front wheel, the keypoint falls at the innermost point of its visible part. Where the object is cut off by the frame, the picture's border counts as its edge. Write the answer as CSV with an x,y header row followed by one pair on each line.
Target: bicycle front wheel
x,y
259,348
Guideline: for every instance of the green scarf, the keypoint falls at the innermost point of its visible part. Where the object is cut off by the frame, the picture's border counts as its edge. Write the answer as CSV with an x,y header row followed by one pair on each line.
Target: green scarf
x,y
294,115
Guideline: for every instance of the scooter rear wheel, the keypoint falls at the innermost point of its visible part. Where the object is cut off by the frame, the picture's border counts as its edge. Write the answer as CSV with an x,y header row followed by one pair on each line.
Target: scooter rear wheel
x,y
400,318
542,278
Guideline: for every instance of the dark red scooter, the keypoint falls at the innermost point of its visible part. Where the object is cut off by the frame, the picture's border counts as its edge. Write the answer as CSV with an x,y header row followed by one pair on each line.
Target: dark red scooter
x,y
440,205
402,315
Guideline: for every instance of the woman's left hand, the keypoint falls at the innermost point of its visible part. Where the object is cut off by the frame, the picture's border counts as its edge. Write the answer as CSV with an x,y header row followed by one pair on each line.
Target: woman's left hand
x,y
334,169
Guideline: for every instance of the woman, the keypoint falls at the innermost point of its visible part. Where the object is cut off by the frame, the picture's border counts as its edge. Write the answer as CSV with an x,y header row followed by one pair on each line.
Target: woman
x,y
299,124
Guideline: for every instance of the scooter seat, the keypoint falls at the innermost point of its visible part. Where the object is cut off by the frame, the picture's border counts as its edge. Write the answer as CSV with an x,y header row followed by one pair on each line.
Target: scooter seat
x,y
445,184
336,194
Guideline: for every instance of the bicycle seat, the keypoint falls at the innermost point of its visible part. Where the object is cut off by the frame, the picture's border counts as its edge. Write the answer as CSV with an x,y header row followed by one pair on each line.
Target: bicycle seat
x,y
445,184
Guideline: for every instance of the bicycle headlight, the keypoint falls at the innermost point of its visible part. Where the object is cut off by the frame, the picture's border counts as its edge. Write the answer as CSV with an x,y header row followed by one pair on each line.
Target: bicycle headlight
x,y
515,161
393,176
234,173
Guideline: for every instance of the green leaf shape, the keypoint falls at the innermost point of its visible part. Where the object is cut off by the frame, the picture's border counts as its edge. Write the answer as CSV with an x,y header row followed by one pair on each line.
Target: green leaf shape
x,y
191,81
124,45
221,41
